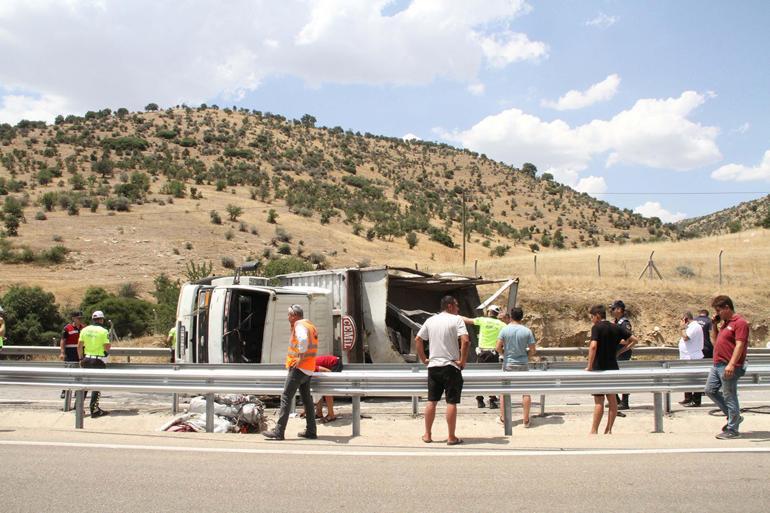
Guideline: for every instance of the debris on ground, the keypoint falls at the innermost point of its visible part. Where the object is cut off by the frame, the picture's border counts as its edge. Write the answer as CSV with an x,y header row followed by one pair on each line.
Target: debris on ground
x,y
233,413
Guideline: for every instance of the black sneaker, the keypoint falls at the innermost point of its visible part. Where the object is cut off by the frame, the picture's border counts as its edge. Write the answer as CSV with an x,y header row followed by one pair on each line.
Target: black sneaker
x,y
623,406
98,413
621,414
305,434
480,403
728,435
272,435
691,405
493,405
61,396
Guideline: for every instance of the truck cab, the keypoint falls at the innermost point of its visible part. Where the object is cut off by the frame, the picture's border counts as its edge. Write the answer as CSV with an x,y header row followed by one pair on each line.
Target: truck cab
x,y
231,320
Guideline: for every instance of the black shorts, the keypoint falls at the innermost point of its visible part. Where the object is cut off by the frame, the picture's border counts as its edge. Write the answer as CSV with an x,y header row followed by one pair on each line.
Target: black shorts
x,y
446,378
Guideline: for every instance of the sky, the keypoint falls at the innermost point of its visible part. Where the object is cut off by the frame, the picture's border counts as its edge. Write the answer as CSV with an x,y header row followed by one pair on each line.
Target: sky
x,y
660,106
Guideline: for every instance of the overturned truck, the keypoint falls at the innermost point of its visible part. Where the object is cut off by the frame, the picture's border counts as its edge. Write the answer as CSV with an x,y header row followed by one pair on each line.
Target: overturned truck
x,y
362,315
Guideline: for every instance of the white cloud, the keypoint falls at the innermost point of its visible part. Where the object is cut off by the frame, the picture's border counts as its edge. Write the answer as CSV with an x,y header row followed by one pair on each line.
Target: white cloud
x,y
655,209
741,129
476,89
15,107
411,137
593,185
741,173
599,92
602,20
654,133
507,47
129,53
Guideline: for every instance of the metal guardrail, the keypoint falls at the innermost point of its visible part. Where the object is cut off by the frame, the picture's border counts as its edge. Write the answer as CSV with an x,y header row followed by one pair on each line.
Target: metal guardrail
x,y
359,383
167,352
160,352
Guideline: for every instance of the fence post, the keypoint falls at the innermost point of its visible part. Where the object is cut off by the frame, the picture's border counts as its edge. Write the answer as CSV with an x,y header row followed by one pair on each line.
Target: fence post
x,y
535,265
720,266
414,406
174,403
79,400
658,404
209,413
542,405
356,415
599,265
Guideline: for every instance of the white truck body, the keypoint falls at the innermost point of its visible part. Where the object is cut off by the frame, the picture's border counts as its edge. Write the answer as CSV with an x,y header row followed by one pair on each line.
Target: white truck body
x,y
244,320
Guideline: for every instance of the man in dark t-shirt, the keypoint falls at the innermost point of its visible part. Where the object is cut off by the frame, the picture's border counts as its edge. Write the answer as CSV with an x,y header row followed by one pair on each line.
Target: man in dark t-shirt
x,y
608,340
618,310
705,323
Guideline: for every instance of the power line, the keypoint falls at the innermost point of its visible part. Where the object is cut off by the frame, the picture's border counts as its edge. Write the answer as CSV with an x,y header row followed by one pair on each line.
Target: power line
x,y
682,193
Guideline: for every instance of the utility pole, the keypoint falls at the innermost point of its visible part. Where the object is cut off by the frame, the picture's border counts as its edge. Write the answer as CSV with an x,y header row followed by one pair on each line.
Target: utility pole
x,y
463,229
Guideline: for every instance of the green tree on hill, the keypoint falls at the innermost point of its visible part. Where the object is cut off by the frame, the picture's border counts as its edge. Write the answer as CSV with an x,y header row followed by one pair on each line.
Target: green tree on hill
x,y
32,316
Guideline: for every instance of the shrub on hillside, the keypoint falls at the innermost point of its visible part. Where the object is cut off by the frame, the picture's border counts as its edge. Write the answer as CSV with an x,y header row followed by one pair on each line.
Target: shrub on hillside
x,y
286,265
32,316
125,143
128,315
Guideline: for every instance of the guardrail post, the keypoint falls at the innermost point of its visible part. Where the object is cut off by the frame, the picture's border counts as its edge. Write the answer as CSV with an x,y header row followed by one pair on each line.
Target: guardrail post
x,y
508,415
209,413
657,399
415,408
542,405
79,400
356,415
668,394
67,400
174,403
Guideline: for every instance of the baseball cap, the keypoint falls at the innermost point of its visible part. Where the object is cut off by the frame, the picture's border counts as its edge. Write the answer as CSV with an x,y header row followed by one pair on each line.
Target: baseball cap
x,y
618,304
98,314
494,309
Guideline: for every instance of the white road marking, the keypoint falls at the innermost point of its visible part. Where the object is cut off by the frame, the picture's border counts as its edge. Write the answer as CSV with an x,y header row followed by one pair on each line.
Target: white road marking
x,y
457,452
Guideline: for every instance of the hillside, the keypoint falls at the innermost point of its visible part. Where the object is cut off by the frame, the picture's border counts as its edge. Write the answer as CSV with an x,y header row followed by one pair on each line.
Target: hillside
x,y
730,220
115,198
378,188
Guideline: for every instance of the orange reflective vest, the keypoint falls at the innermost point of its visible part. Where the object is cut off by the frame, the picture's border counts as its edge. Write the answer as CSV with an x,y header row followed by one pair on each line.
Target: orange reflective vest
x,y
307,363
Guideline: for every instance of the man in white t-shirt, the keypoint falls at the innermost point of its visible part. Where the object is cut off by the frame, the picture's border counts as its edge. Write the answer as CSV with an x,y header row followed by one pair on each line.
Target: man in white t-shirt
x,y
447,359
691,348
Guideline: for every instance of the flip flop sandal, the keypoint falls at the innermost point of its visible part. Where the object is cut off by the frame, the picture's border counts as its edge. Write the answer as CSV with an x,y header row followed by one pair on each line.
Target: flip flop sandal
x,y
455,442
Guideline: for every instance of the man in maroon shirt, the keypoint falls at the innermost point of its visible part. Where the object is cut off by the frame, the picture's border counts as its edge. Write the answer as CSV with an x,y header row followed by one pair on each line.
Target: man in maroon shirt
x,y
327,363
730,346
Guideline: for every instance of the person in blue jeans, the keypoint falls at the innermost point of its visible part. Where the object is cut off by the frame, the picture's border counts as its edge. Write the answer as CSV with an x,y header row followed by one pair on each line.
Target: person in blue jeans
x,y
730,347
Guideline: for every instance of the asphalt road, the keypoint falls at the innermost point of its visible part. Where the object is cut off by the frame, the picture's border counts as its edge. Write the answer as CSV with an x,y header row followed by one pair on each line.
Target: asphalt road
x,y
83,478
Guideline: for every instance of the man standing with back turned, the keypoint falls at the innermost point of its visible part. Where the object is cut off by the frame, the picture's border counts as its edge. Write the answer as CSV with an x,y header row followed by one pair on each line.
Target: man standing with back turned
x,y
486,352
300,361
93,345
608,341
732,342
445,365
